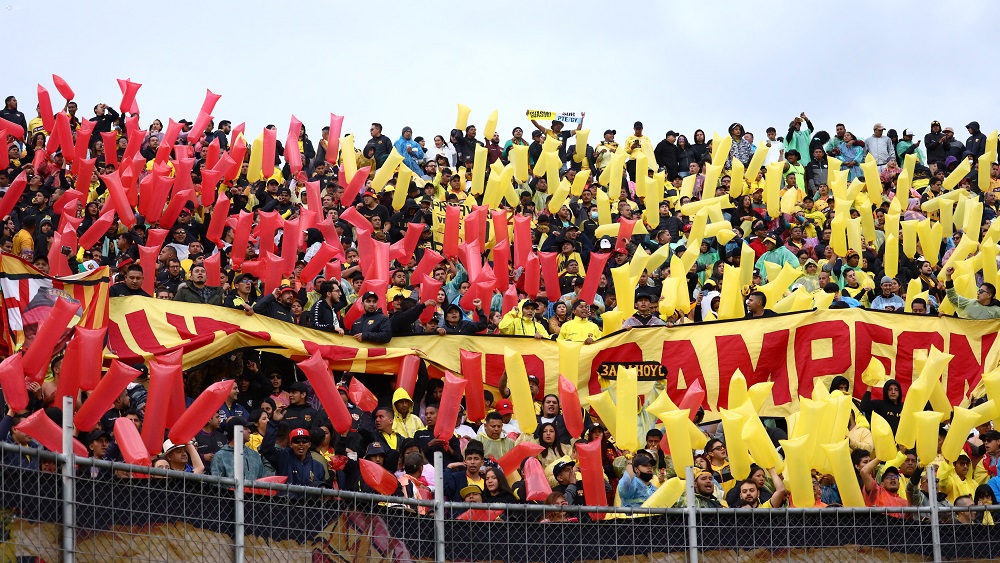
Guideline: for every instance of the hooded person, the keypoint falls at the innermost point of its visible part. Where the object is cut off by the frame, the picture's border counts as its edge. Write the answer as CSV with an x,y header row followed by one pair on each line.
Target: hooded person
x,y
810,276
888,407
412,151
521,321
976,143
314,241
404,422
453,323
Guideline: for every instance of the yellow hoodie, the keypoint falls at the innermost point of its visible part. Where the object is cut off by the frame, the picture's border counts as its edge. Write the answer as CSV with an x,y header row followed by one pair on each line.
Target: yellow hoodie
x,y
405,426
515,324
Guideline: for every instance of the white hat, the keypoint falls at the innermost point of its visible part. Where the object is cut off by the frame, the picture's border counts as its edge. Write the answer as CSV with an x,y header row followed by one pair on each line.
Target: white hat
x,y
907,132
169,446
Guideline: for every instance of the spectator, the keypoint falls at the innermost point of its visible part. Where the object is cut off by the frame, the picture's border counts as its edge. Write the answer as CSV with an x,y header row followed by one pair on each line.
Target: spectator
x,y
373,325
294,462
277,304
196,290
132,284
222,462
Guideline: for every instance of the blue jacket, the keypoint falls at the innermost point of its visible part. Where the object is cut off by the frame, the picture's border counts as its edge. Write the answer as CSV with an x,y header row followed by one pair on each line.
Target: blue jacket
x,y
306,473
409,159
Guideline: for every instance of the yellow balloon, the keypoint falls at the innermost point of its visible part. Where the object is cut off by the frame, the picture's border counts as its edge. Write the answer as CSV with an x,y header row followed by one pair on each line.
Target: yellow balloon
x,y
569,360
463,117
520,391
518,155
402,186
627,398
667,495
909,238
798,477
491,126
624,290
986,412
755,436
927,434
916,398
885,444
854,235
956,175
676,425
874,375
736,181
668,296
720,150
559,196
479,171
838,232
580,182
386,171
872,180
612,321
963,421
772,188
739,455
605,408
839,454
737,390
604,208
891,262
756,162
256,159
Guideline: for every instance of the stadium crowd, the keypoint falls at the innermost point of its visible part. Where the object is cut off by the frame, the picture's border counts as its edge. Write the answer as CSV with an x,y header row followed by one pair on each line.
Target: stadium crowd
x,y
286,431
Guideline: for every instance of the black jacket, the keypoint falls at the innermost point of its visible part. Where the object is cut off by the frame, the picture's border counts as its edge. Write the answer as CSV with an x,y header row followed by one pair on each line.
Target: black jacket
x,y
269,307
402,321
373,327
14,116
122,290
105,123
885,408
937,147
976,143
323,317
668,157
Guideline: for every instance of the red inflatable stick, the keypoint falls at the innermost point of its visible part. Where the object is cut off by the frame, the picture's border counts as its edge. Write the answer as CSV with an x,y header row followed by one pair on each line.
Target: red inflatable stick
x,y
511,461
693,398
453,218
592,471
353,188
13,194
45,107
550,272
292,155
84,169
318,262
451,403
291,235
64,90
147,259
272,271
269,147
333,139
104,395
82,363
267,226
361,396
51,331
173,210
133,107
317,371
160,387
83,139
280,479
535,481
211,98
213,269
200,411
12,128
63,135
403,249
218,223
57,261
118,197
378,477
500,229
47,433
429,289
590,282
569,398
426,266
509,300
408,369
471,223
197,131
209,186
241,238
128,96
624,233
110,141
522,240
155,237
532,279
15,392
356,310
480,515
472,371
97,229
130,443
501,266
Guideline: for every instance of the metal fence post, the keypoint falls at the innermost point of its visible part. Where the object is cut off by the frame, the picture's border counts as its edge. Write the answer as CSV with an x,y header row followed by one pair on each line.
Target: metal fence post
x,y
238,540
692,516
932,499
439,552
69,491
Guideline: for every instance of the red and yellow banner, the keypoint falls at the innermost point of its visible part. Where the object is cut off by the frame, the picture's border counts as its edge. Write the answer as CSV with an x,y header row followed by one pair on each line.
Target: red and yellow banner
x,y
796,352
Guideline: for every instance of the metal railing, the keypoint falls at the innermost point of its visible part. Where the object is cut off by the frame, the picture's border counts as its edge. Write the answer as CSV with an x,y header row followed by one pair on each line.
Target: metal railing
x,y
79,509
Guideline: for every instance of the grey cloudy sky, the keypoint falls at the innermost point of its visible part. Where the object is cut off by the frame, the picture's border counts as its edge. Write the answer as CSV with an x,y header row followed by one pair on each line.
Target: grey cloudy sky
x,y
679,65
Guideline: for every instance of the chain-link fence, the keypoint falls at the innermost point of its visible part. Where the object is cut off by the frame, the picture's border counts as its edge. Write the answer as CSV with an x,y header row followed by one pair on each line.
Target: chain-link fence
x,y
106,512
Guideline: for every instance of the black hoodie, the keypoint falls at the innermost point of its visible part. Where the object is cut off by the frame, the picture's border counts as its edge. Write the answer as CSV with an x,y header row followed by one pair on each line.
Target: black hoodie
x,y
889,410
976,143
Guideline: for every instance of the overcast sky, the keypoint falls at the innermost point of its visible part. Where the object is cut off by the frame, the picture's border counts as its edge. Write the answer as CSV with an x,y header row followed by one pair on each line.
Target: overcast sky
x,y
672,65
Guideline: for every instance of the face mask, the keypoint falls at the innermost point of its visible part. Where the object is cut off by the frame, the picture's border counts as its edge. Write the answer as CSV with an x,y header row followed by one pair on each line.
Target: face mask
x,y
593,215
646,477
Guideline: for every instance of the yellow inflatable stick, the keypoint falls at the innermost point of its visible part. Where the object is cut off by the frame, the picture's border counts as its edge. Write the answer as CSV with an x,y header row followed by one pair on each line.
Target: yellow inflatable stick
x,y
965,247
612,321
984,166
712,175
737,390
747,258
912,291
687,186
519,156
736,182
668,493
991,143
676,424
960,171
739,455
909,238
777,285
386,171
605,408
559,196
668,297
916,398
580,182
902,195
962,422
692,208
402,186
867,223
929,236
581,143
614,169
758,393
256,159
479,171
720,150
772,188
872,180
493,193
945,217
491,126
988,250
854,234
569,361
892,224
731,301
657,258
838,231
891,262
986,412
603,208
823,301
463,117
798,477
624,290
927,423
636,267
641,179
973,219
756,162
626,408
755,436
885,444
520,391
839,454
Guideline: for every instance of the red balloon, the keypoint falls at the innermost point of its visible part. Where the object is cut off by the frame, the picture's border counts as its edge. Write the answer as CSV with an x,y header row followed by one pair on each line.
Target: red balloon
x,y
161,379
333,140
270,222
453,218
130,443
58,266
177,202
403,249
378,478
408,373
12,129
200,411
241,238
429,289
592,471
45,107
471,222
210,185
590,282
501,265
550,271
211,99
47,433
471,255
511,461
472,371
51,331
104,395
318,262
624,233
535,481
118,197
379,286
182,171
267,161
84,169
318,373
97,229
13,194
83,361
522,240
451,402
15,391
532,281
569,398
425,267
63,87
290,238
509,300
361,396
213,269
128,96
353,188
198,129
83,141
500,226
292,155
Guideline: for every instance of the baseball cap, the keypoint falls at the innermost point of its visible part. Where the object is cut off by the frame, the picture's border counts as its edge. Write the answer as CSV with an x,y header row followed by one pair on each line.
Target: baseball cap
x,y
672,132
610,131
561,465
504,407
529,303
284,190
907,132
285,288
640,294
375,448
369,294
97,434
471,489
886,279
890,470
536,133
878,126
299,386
637,125
298,433
368,193
771,239
948,129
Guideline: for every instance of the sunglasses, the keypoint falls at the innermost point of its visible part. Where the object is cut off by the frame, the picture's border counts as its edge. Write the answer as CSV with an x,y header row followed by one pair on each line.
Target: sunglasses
x,y
301,441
